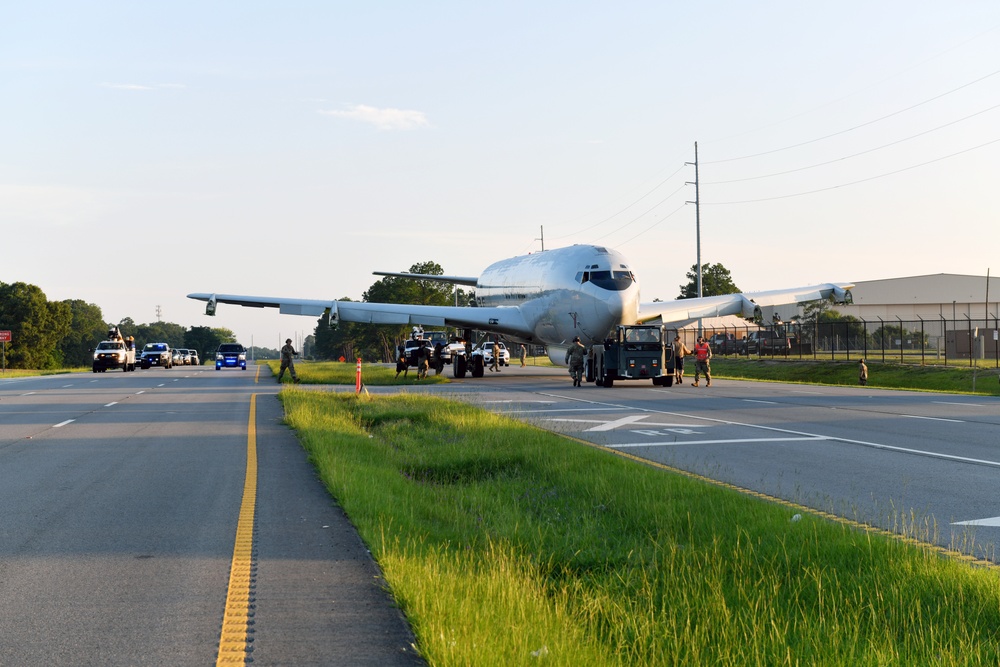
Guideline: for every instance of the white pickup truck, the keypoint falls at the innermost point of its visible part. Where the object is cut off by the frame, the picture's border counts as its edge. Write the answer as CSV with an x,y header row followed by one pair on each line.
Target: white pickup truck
x,y
114,353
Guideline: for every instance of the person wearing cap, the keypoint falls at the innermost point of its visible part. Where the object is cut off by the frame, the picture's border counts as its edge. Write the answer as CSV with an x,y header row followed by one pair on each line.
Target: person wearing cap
x,y
287,352
702,355
574,357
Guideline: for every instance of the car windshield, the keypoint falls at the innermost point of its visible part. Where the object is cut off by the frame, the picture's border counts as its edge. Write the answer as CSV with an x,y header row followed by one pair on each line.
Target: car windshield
x,y
230,348
110,346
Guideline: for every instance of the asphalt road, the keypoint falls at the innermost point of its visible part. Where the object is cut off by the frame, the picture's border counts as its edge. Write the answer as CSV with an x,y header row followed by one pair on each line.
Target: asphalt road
x,y
120,495
921,464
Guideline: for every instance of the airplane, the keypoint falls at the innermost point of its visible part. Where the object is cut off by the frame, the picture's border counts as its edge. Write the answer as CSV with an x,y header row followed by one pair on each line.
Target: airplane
x,y
544,298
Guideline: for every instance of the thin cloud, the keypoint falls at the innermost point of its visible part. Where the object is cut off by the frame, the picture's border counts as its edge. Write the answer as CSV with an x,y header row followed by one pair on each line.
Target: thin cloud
x,y
383,119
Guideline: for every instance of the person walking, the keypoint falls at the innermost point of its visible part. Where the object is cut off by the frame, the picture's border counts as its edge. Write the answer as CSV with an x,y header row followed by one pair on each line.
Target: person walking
x,y
862,373
574,357
495,364
702,355
524,353
402,366
680,351
287,352
423,361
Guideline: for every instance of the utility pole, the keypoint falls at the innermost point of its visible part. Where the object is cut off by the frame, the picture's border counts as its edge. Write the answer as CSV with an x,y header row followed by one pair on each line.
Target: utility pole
x,y
697,215
542,237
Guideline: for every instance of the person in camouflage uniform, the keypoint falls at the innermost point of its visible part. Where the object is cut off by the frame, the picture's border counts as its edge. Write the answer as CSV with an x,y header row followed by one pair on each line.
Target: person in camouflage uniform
x,y
287,352
574,357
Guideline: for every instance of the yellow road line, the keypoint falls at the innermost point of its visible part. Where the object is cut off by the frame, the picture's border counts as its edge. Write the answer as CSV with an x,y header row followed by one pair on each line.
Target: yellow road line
x,y
236,639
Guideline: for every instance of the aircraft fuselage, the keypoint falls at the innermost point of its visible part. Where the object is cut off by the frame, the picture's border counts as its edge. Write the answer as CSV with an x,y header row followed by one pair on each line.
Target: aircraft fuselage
x,y
582,290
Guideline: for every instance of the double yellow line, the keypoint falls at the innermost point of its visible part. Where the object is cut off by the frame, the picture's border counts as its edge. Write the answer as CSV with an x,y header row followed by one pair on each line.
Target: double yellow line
x,y
236,638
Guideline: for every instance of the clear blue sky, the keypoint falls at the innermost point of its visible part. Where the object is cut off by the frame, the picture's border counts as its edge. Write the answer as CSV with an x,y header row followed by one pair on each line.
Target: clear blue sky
x,y
149,150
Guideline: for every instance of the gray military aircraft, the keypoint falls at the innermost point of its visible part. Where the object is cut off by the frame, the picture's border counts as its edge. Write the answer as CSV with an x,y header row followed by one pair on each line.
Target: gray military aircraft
x,y
544,298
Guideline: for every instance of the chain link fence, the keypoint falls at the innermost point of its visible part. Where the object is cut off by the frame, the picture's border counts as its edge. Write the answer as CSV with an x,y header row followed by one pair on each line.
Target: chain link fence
x,y
935,341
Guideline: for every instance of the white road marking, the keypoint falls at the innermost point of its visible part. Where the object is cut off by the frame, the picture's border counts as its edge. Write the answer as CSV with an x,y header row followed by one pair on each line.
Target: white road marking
x,y
935,419
815,436
971,405
30,393
993,521
546,412
753,400
734,441
68,421
108,405
143,391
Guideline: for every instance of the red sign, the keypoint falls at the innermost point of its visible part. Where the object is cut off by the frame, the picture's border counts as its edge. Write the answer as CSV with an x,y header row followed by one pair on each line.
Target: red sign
x,y
4,336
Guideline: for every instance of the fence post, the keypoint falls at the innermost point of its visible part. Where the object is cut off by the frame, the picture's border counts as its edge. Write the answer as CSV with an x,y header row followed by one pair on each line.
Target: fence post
x,y
865,324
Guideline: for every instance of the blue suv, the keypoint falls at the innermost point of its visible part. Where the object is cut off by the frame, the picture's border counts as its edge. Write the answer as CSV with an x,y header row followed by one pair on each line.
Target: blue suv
x,y
231,355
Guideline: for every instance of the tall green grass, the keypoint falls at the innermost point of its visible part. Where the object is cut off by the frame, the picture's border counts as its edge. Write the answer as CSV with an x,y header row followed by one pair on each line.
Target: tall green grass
x,y
339,372
507,545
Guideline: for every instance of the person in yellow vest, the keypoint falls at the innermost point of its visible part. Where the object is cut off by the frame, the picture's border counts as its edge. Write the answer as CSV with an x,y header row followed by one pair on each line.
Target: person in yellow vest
x,y
702,355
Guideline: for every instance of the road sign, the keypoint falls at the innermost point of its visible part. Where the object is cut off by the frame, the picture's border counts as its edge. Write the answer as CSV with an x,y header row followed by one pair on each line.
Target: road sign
x,y
4,336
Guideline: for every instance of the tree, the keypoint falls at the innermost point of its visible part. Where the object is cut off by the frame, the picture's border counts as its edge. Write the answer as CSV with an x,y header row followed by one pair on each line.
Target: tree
x,y
159,332
827,328
207,340
37,326
87,329
715,280
381,341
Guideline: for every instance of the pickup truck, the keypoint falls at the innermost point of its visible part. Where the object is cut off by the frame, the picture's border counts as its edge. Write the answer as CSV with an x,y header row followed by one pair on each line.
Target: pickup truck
x,y
766,342
724,343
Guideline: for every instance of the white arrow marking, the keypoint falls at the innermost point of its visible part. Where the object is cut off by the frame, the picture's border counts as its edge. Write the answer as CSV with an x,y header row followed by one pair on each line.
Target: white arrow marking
x,y
994,521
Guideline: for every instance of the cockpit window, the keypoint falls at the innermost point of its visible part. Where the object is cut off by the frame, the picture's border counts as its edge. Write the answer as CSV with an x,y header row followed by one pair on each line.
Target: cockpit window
x,y
612,280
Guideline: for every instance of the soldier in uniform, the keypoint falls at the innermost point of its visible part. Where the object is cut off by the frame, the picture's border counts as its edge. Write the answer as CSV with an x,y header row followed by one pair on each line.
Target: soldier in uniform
x,y
287,352
423,361
574,357
702,354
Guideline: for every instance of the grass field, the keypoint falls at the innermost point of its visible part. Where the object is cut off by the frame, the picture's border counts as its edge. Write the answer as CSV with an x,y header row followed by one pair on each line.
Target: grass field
x,y
507,545
888,375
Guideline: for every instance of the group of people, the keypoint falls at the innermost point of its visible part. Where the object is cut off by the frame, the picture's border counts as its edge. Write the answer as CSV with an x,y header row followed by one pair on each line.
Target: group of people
x,y
702,360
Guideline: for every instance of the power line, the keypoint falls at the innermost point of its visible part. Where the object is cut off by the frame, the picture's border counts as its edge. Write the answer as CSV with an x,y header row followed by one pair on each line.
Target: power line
x,y
863,180
856,127
854,155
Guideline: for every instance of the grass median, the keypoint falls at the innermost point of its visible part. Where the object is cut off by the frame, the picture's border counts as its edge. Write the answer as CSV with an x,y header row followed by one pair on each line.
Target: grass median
x,y
956,379
505,544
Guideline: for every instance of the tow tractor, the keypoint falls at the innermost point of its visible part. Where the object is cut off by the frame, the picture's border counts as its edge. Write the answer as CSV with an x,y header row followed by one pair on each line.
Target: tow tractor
x,y
633,352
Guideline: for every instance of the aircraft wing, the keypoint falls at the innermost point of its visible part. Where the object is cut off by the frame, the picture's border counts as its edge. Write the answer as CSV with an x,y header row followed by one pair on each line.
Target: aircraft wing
x,y
504,319
746,305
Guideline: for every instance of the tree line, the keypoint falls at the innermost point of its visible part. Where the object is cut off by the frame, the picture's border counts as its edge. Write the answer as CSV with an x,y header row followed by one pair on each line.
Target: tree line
x,y
378,342
47,335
